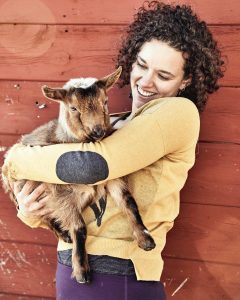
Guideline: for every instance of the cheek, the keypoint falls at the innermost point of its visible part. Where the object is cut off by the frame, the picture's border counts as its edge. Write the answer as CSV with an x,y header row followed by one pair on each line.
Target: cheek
x,y
75,120
168,88
135,74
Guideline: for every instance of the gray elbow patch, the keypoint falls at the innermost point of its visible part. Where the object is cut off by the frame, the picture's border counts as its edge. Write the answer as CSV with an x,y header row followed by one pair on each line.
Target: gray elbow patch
x,y
81,167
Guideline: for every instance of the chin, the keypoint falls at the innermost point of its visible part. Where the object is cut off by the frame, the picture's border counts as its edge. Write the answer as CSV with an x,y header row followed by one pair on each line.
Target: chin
x,y
140,102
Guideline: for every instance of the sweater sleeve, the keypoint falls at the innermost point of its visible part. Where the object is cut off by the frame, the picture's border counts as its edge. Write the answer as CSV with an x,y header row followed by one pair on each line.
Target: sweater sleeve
x,y
170,125
31,222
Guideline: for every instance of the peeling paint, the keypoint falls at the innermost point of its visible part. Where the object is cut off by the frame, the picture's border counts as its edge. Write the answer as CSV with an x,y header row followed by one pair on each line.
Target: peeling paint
x,y
22,257
2,264
180,286
17,86
15,259
8,100
42,106
16,256
170,281
1,221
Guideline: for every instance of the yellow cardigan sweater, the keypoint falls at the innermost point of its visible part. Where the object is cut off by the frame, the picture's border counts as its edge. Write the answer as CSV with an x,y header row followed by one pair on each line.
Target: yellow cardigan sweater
x,y
155,149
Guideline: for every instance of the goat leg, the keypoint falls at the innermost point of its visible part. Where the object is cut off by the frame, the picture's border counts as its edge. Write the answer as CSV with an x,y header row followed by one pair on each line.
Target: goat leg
x,y
121,195
59,232
81,270
140,232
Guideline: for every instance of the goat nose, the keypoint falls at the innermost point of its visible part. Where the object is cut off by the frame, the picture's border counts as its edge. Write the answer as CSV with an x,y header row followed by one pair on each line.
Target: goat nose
x,y
97,132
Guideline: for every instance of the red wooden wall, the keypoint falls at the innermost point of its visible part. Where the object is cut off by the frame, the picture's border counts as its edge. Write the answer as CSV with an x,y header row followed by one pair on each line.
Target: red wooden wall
x,y
50,41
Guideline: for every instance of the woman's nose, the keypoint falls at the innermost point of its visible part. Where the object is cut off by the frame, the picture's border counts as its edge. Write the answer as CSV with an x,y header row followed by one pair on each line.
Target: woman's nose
x,y
147,80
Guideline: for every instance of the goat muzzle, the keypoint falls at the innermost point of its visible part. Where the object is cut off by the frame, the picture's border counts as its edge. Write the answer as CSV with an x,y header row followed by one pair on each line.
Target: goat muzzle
x,y
97,133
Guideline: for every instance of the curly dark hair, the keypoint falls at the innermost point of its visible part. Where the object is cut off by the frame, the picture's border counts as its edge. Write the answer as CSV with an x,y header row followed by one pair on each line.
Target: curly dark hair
x,y
181,29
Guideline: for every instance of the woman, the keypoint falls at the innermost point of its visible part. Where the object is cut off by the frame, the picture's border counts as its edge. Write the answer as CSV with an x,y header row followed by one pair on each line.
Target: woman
x,y
172,63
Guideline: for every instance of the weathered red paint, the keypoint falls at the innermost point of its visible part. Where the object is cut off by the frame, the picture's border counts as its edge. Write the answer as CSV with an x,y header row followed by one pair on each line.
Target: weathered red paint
x,y
37,51
202,252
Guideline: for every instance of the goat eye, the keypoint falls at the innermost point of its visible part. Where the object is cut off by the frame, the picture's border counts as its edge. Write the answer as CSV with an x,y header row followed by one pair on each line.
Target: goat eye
x,y
106,101
73,108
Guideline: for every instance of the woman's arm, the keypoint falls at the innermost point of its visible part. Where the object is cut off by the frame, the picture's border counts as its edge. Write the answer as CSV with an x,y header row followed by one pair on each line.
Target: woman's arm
x,y
161,127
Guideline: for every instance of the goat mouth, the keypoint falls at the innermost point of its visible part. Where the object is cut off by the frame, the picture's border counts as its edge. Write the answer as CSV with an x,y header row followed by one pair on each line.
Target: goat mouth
x,y
94,139
90,139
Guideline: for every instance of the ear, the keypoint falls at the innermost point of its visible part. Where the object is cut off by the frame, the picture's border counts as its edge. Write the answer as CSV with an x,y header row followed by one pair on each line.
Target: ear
x,y
56,94
108,81
186,82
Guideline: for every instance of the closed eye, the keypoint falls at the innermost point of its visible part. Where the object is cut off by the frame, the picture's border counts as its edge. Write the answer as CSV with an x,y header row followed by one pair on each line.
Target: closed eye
x,y
141,65
163,77
73,108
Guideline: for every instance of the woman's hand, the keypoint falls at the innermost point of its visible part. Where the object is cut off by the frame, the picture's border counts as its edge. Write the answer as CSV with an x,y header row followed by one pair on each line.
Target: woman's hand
x,y
29,199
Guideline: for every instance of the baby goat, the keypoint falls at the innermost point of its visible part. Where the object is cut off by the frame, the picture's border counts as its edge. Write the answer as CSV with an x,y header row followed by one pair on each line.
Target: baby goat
x,y
83,117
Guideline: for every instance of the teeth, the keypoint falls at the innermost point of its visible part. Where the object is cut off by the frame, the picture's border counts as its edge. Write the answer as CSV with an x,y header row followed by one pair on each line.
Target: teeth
x,y
144,93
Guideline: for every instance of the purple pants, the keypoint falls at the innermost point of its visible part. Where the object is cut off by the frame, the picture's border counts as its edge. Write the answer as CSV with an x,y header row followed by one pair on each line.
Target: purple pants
x,y
106,287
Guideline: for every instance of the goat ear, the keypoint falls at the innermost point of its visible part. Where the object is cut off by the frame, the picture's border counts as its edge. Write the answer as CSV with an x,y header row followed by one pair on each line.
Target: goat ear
x,y
108,81
56,94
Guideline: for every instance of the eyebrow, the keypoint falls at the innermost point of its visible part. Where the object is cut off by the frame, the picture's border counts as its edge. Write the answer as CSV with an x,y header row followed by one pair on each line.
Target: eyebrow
x,y
162,71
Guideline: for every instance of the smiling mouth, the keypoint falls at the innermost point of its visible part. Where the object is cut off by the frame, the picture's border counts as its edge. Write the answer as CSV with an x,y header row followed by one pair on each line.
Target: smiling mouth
x,y
145,93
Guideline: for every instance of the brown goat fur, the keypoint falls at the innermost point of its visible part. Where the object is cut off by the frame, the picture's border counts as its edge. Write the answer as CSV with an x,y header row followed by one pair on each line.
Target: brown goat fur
x,y
83,117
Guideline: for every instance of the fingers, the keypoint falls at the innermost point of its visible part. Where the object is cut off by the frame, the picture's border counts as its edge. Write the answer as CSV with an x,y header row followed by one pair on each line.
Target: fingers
x,y
35,209
36,193
34,205
28,187
16,187
31,198
39,208
26,196
25,188
43,212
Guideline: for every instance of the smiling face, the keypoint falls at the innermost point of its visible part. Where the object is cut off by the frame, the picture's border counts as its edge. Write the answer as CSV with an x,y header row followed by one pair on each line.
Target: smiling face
x,y
156,73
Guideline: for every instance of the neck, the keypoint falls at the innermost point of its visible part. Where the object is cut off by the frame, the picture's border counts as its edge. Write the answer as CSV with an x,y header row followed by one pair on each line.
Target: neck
x,y
134,110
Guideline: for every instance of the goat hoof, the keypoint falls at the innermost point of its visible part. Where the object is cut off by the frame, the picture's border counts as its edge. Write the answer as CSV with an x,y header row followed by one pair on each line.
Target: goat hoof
x,y
147,243
84,277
